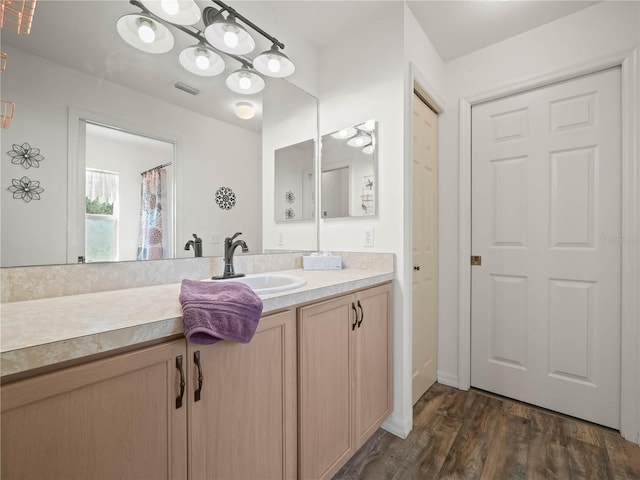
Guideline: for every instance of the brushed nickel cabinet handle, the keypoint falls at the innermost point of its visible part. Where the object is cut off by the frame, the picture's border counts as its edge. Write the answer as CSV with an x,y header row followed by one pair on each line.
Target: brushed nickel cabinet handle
x,y
361,313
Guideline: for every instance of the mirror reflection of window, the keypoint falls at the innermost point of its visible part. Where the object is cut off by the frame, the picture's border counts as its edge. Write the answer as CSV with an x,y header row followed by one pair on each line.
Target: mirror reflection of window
x,y
348,166
130,155
101,216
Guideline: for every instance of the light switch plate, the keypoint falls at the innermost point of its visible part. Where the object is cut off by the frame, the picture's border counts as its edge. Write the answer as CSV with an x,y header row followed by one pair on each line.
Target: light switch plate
x,y
368,237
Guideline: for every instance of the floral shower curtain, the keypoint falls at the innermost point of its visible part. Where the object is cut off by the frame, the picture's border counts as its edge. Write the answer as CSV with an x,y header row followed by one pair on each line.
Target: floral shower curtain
x,y
152,242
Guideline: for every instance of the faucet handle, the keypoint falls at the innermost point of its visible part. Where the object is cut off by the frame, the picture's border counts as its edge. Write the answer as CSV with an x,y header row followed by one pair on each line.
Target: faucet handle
x,y
235,235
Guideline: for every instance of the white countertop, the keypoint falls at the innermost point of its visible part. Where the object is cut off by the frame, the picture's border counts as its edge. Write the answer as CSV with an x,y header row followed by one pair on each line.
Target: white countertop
x,y
38,333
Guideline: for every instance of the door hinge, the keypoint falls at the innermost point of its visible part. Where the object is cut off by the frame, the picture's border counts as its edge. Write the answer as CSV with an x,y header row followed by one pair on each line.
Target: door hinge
x,y
476,260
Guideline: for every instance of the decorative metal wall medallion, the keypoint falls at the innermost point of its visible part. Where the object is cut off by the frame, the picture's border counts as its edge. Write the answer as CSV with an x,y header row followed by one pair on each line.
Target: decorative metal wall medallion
x,y
289,214
25,155
290,197
25,189
225,198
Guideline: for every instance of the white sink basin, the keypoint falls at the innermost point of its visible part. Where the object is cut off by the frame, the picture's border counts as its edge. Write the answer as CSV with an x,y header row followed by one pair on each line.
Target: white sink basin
x,y
264,283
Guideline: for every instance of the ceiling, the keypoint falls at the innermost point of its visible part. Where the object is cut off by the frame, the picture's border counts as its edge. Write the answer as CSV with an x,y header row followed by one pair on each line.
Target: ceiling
x,y
457,28
454,27
93,45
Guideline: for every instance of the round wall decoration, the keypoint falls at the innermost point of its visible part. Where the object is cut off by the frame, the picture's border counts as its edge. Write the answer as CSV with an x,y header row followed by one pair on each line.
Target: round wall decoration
x,y
225,198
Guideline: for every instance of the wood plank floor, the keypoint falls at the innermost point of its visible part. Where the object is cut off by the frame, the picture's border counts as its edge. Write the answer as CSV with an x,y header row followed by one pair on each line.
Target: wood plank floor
x,y
477,435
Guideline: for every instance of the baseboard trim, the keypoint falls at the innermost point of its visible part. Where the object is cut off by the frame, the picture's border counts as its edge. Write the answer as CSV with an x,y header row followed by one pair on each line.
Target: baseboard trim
x,y
397,428
448,379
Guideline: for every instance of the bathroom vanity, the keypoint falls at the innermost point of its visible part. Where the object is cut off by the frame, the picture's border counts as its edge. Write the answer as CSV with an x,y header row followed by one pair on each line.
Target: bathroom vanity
x,y
296,402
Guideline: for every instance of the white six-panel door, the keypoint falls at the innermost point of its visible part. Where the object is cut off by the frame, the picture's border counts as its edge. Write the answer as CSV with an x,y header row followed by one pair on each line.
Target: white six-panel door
x,y
546,204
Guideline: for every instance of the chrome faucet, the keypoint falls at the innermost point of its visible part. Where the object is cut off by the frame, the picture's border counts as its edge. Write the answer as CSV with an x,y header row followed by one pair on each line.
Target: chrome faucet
x,y
229,248
196,243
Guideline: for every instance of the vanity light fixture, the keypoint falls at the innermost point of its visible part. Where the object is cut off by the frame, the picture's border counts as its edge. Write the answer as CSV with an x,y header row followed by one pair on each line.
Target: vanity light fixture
x,y
274,63
201,60
178,12
360,140
244,110
368,149
144,33
344,133
245,82
229,36
148,31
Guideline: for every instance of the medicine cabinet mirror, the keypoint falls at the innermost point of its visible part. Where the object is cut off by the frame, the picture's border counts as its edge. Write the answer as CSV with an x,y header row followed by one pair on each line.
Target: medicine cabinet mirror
x,y
295,182
348,171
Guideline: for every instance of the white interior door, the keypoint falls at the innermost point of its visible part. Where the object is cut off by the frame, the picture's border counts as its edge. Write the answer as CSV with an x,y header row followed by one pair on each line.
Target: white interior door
x,y
546,176
425,247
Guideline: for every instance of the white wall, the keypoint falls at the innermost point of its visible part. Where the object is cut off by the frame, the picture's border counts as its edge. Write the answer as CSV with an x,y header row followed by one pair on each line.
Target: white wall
x,y
210,154
285,123
424,67
605,28
361,78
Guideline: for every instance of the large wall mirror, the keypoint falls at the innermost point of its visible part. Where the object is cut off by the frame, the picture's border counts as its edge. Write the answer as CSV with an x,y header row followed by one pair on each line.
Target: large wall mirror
x,y
85,100
295,182
348,171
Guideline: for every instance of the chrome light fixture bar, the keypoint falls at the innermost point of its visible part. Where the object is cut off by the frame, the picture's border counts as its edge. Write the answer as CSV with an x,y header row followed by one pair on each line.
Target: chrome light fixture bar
x,y
149,31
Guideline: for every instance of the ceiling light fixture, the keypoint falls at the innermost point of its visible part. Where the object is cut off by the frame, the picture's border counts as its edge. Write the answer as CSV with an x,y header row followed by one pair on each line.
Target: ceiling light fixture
x,y
244,110
201,60
148,31
245,81
144,33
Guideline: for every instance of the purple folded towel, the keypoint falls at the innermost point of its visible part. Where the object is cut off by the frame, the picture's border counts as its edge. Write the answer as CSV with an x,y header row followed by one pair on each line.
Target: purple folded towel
x,y
214,311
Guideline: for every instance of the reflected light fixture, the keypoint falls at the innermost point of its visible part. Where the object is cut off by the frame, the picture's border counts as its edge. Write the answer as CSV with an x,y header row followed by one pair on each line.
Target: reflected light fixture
x,y
201,60
344,133
244,110
360,140
368,149
229,36
245,81
144,33
178,12
274,63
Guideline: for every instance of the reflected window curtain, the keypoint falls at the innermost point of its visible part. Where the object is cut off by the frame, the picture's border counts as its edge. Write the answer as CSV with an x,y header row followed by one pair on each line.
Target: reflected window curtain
x,y
101,216
101,186
152,239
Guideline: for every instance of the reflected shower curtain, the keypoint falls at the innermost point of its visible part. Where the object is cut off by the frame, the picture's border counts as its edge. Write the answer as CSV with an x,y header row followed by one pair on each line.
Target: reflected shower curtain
x,y
152,239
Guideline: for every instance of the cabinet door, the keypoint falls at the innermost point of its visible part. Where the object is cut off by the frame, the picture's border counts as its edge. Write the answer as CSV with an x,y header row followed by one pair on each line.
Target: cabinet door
x,y
373,361
325,392
110,418
244,424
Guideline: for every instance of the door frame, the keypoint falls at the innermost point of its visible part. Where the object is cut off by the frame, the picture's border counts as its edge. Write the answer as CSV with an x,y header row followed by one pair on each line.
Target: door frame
x,y
630,231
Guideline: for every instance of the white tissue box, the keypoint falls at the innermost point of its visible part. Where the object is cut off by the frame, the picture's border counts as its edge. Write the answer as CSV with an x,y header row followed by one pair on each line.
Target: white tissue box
x,y
321,262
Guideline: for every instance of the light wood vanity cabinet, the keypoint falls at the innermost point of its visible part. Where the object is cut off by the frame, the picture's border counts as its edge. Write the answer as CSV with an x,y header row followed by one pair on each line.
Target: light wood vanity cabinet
x,y
109,418
244,423
295,402
344,369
